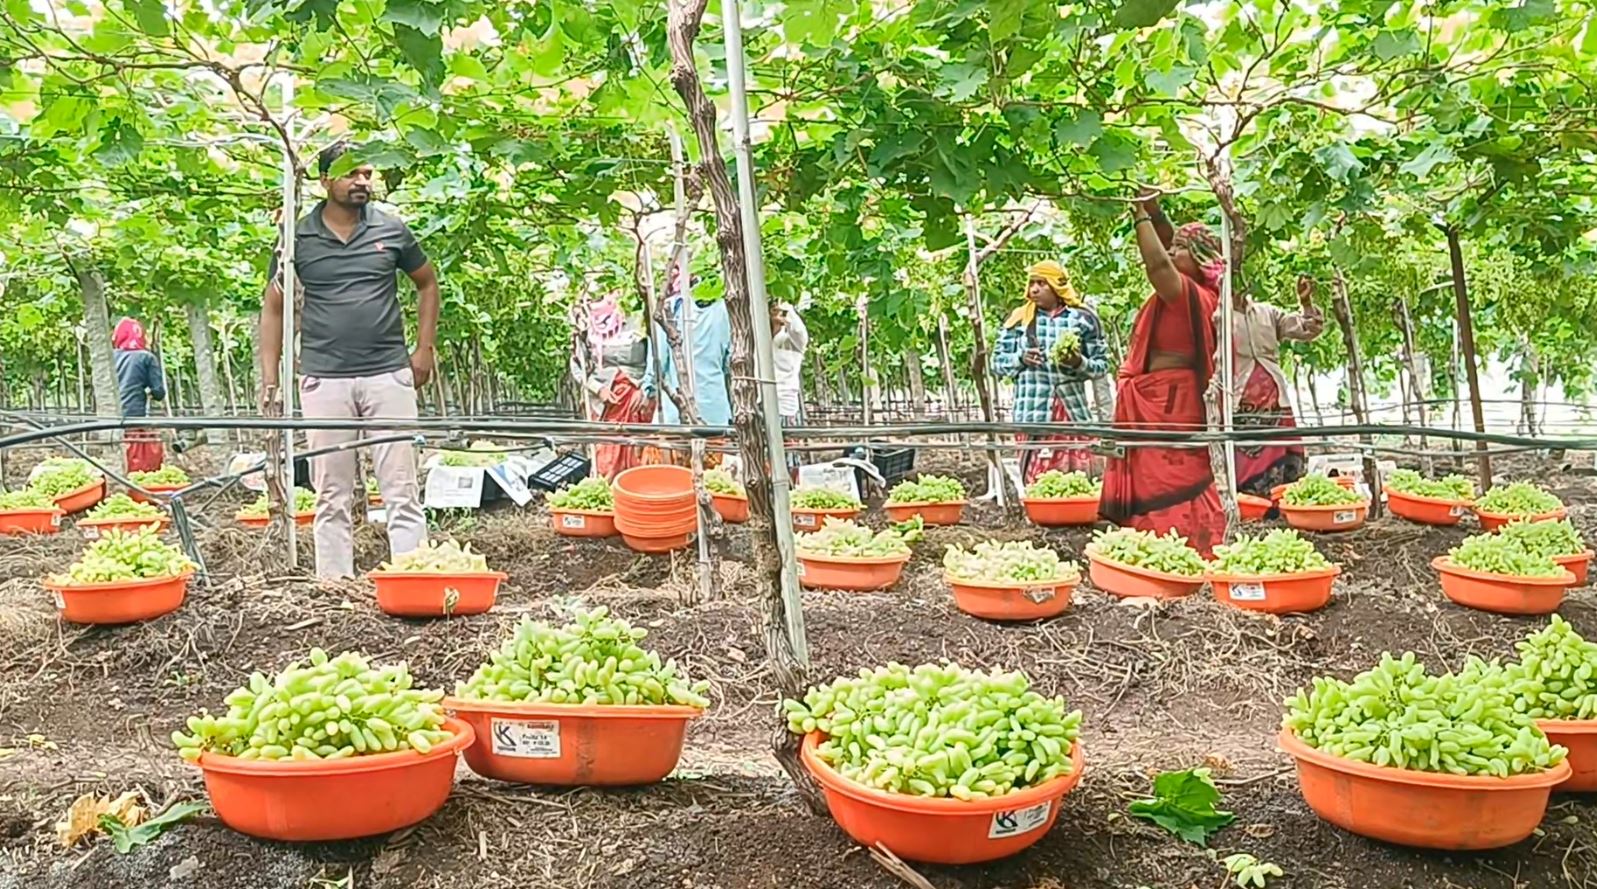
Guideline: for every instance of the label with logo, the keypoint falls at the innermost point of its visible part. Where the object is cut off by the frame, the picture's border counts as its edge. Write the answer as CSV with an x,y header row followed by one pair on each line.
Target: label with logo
x,y
573,521
1457,510
1344,517
1247,592
800,569
1039,594
526,738
90,532
1014,822
804,520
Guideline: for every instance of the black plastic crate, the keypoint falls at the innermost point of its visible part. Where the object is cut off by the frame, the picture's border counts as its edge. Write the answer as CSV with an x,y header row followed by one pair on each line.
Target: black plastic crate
x,y
893,463
566,469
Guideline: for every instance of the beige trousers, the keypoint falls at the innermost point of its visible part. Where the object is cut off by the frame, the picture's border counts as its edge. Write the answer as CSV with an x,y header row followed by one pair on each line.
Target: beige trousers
x,y
333,475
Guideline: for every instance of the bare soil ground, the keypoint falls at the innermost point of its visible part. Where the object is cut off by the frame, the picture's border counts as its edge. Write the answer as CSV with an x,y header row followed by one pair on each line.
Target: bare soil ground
x,y
88,710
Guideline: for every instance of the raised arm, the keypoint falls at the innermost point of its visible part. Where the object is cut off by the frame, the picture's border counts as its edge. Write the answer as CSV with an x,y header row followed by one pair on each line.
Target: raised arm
x,y
1305,324
1161,224
1166,279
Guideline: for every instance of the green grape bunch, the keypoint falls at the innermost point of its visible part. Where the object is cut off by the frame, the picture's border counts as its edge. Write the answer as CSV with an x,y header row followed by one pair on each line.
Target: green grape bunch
x,y
596,659
1318,490
57,476
843,538
1520,499
1545,538
719,481
1281,551
481,454
590,495
304,501
120,556
1497,554
939,730
1449,487
1399,715
823,498
1057,485
1015,561
121,506
1168,554
1067,348
166,475
928,489
447,557
330,708
27,498
1556,674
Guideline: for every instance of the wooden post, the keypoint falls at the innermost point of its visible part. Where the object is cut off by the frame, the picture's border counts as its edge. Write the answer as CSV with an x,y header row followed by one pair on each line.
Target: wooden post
x,y
1405,323
1466,340
1343,310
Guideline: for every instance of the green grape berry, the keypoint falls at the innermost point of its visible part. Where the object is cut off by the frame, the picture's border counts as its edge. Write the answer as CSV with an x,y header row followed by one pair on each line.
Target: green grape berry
x,y
1013,561
1055,485
1168,554
1281,551
928,489
590,494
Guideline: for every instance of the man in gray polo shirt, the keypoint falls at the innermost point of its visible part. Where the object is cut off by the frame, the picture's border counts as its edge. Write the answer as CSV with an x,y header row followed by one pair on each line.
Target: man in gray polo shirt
x,y
353,359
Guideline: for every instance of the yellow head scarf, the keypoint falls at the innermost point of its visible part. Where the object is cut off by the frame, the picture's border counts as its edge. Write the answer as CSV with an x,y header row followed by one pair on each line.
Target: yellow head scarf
x,y
1057,278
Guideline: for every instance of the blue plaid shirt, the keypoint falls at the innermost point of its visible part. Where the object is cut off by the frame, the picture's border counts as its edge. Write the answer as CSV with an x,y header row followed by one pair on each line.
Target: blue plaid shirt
x,y
1036,387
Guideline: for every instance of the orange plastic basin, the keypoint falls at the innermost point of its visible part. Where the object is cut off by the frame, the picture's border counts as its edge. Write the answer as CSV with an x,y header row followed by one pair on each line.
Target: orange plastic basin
x,y
996,601
333,799
301,518
1425,809
853,574
141,497
1578,564
733,510
664,544
937,830
94,529
1059,512
125,602
436,594
81,499
1130,582
653,482
30,521
1501,593
1579,736
1491,521
930,513
1251,508
1276,593
1425,510
1343,517
582,522
601,745
805,520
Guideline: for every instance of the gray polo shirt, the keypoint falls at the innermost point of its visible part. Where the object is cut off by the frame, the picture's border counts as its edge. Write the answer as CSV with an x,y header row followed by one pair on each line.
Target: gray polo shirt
x,y
351,325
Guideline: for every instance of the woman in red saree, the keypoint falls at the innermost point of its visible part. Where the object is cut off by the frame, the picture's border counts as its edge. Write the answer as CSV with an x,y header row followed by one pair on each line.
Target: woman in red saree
x,y
1169,362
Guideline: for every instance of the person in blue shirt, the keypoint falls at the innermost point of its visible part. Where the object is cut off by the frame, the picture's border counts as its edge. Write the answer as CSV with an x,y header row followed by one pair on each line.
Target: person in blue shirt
x,y
709,350
139,379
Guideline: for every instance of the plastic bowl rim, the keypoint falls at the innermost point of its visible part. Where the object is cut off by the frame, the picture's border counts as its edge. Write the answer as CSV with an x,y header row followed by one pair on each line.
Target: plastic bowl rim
x,y
1093,556
1315,574
1302,752
1439,501
116,585
1363,503
1444,564
572,711
854,560
463,735
1071,582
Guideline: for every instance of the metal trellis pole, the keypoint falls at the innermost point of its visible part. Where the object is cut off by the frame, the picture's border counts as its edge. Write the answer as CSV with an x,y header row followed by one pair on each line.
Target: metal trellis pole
x,y
288,388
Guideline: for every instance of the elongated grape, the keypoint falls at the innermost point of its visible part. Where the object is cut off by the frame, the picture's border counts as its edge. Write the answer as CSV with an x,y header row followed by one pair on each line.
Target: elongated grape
x,y
1016,560
1144,549
126,555
1282,551
1055,484
591,494
1318,490
846,538
928,489
1518,498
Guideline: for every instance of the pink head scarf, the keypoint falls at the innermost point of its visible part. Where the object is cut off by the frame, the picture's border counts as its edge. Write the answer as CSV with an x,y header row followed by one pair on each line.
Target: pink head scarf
x,y
129,335
1206,250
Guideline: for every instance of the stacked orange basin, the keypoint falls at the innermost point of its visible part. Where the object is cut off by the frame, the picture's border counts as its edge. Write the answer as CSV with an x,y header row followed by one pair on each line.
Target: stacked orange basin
x,y
654,507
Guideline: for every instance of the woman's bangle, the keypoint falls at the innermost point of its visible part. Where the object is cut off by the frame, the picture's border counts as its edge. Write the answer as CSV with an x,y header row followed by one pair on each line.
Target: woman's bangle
x,y
1140,218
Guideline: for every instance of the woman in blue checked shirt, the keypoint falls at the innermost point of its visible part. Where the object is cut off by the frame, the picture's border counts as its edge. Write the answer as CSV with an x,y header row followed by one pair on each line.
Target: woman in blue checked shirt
x,y
1050,385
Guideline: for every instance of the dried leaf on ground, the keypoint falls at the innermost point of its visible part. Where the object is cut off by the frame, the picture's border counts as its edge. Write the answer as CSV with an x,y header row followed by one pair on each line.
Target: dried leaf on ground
x,y
83,816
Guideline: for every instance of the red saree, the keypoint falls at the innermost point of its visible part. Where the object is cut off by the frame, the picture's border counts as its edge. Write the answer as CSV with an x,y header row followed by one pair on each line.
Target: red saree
x,y
1159,488
627,406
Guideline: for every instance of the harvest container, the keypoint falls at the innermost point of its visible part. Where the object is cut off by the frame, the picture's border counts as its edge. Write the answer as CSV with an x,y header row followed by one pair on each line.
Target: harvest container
x,y
161,492
1341,517
1502,593
1346,481
1578,564
583,522
645,543
1059,512
333,799
1253,509
948,513
1426,510
806,520
44,520
1130,582
1579,737
436,593
732,508
94,529
300,518
83,498
856,574
1012,601
571,745
1491,521
655,510
1276,593
937,830
119,602
1425,809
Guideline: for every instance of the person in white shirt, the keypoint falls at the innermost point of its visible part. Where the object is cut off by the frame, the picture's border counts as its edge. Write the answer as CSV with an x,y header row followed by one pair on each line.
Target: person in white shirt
x,y
789,340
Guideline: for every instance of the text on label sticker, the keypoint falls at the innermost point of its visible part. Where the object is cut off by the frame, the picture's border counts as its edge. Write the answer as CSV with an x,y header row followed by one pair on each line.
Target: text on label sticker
x,y
573,521
807,521
1014,822
1456,511
1039,594
1342,518
801,569
1247,592
525,738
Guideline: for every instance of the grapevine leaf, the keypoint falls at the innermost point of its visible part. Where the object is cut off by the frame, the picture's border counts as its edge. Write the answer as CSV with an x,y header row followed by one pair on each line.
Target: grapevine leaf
x,y
1183,803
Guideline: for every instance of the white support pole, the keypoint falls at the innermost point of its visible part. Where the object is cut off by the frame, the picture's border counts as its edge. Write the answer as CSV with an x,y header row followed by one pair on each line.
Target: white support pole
x,y
997,482
289,386
1227,360
760,313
